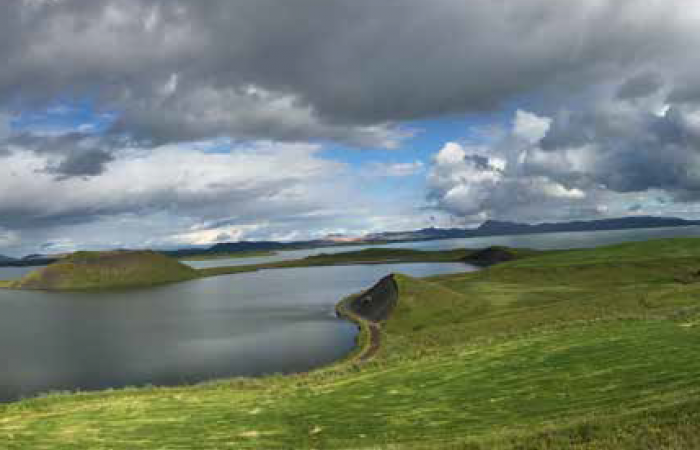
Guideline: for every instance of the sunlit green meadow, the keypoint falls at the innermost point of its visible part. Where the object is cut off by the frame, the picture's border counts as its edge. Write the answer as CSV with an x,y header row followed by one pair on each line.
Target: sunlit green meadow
x,y
584,349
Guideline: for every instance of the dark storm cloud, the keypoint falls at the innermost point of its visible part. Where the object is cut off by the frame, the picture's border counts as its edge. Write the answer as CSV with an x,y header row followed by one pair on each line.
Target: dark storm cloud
x,y
70,155
179,70
82,163
608,151
641,85
630,150
686,92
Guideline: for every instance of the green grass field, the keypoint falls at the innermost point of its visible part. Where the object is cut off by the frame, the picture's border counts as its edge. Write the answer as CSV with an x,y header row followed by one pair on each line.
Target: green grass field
x,y
106,270
581,349
231,255
367,256
149,268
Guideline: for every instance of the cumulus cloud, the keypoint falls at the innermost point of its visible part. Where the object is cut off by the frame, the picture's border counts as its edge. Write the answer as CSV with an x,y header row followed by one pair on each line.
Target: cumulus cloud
x,y
256,182
625,149
530,127
474,183
575,163
186,194
399,169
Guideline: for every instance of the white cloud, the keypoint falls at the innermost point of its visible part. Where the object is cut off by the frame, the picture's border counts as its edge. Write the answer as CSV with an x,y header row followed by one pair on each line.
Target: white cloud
x,y
8,238
190,194
261,179
450,153
213,236
492,180
403,169
530,127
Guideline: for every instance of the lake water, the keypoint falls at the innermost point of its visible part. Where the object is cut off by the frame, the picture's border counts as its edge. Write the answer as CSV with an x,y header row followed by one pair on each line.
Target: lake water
x,y
543,241
10,273
274,321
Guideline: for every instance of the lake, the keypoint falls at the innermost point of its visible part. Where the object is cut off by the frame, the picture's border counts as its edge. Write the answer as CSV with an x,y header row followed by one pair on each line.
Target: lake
x,y
274,321
271,321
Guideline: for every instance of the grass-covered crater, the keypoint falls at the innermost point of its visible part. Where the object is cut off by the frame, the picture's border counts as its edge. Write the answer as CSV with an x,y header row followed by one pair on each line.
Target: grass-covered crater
x,y
104,270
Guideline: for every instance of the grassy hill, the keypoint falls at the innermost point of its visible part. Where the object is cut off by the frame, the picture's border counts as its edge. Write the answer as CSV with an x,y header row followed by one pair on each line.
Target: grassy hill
x,y
370,256
100,270
580,349
4,258
231,255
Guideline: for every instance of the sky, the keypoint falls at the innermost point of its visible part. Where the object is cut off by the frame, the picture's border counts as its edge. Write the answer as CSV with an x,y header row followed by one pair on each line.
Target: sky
x,y
177,123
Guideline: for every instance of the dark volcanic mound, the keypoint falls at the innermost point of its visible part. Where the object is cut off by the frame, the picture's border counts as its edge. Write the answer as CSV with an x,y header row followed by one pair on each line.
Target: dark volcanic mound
x,y
377,303
95,270
490,256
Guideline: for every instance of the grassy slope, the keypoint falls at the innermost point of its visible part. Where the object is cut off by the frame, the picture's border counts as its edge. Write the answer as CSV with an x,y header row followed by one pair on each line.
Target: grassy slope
x,y
587,349
99,270
147,274
367,256
231,255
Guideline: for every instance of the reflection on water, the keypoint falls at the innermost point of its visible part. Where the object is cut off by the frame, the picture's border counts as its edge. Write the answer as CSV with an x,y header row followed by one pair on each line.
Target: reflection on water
x,y
265,322
10,273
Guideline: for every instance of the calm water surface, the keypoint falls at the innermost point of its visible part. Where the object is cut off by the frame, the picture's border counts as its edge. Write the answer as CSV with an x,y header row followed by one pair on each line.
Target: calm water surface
x,y
9,273
274,321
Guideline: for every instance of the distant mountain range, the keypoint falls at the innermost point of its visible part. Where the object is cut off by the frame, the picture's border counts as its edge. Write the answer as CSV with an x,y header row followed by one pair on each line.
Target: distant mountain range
x,y
488,228
502,228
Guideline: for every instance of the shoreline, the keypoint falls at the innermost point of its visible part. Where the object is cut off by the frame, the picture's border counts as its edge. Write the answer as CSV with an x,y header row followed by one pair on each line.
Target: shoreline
x,y
367,345
368,310
364,257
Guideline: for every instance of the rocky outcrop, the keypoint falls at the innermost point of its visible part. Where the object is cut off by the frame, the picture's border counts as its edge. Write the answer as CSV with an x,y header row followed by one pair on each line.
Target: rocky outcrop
x,y
490,256
377,303
368,310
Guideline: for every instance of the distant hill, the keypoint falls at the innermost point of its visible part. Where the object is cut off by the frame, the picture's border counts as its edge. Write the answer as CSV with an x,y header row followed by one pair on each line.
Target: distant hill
x,y
95,270
4,259
491,255
504,228
494,227
247,246
27,262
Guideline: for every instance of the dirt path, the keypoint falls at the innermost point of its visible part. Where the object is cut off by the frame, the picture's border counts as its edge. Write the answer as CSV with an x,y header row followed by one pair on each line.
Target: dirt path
x,y
374,342
369,310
